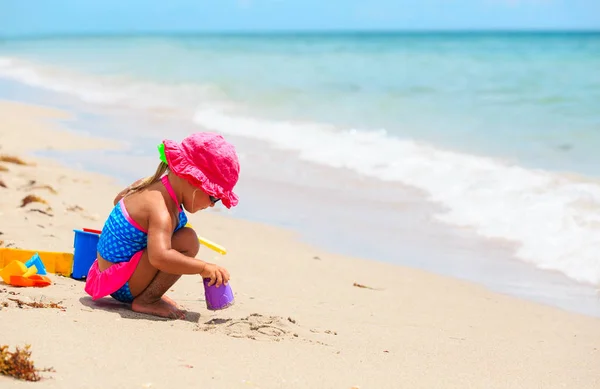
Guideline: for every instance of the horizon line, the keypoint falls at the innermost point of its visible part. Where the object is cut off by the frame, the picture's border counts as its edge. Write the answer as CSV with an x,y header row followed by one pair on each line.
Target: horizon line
x,y
166,33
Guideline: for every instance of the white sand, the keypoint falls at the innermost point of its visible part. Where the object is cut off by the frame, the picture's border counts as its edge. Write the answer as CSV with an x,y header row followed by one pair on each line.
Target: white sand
x,y
417,330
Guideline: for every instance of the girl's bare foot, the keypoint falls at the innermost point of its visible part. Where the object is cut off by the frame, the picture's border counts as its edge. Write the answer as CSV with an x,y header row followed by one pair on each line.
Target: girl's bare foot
x,y
171,301
165,307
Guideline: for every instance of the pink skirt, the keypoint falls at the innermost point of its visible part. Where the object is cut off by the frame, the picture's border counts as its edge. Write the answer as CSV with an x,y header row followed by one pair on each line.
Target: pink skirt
x,y
102,283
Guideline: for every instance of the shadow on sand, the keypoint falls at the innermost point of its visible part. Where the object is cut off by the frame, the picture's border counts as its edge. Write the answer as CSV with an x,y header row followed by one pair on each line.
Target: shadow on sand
x,y
111,305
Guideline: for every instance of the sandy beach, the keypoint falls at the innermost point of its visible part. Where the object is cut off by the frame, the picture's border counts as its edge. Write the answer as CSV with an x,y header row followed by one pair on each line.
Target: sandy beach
x,y
301,318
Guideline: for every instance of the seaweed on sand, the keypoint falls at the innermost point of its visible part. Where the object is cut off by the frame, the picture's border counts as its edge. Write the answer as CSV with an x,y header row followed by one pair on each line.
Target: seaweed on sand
x,y
18,364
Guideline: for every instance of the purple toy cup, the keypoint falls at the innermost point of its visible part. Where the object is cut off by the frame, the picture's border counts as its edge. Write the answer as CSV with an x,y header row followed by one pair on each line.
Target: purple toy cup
x,y
217,298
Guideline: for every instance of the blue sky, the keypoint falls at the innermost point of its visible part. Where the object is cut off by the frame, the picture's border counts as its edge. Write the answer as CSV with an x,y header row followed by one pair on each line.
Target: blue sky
x,y
34,17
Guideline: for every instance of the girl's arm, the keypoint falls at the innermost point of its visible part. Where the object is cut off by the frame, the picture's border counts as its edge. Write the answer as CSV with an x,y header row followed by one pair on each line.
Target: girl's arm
x,y
163,257
160,253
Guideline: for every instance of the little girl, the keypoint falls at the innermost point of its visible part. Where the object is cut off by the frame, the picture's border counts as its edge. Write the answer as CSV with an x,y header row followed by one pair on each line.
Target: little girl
x,y
145,245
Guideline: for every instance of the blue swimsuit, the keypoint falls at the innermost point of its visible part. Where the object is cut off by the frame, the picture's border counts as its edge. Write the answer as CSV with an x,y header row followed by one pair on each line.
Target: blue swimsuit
x,y
122,238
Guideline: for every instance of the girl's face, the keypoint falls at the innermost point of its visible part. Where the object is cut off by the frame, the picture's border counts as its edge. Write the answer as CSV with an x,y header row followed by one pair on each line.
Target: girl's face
x,y
195,199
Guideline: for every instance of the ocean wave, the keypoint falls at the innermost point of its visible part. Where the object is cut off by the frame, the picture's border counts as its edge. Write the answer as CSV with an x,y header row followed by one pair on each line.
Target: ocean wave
x,y
110,90
554,218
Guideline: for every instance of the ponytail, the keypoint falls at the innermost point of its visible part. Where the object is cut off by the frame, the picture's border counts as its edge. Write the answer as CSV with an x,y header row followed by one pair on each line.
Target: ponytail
x,y
146,182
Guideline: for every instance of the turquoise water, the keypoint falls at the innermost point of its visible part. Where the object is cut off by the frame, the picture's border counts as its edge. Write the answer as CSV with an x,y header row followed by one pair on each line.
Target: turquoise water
x,y
528,96
500,129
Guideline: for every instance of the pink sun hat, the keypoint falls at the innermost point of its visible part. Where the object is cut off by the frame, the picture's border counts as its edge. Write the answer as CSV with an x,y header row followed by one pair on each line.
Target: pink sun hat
x,y
207,161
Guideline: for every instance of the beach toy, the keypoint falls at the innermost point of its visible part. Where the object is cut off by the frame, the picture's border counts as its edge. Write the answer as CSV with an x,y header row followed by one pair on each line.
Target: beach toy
x,y
30,279
40,281
36,261
30,271
53,262
217,298
84,255
17,274
21,281
211,245
13,269
92,231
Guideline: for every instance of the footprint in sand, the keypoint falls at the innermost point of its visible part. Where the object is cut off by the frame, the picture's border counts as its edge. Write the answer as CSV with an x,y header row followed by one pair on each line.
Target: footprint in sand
x,y
255,326
259,327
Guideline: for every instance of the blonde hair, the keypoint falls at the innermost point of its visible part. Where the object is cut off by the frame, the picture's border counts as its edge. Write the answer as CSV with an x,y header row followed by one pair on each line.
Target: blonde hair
x,y
146,182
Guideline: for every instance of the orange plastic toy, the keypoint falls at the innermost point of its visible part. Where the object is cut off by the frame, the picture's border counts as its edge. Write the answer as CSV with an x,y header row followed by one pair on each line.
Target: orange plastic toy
x,y
34,280
17,274
20,281
40,281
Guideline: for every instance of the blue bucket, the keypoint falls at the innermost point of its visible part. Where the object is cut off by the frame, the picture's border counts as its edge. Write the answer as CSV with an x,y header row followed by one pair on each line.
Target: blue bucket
x,y
84,255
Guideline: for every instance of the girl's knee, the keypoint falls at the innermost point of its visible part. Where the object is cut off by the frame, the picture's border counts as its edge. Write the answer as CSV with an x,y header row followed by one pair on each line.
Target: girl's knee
x,y
186,242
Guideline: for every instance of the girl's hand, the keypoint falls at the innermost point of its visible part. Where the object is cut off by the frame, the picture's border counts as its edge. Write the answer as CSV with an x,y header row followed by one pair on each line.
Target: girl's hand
x,y
218,275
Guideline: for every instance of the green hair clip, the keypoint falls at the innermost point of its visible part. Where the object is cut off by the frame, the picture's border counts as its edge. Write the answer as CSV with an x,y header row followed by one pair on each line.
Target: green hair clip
x,y
161,153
